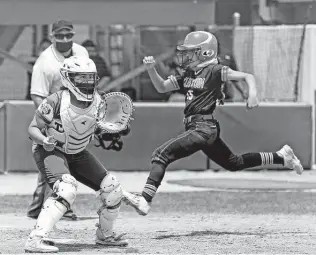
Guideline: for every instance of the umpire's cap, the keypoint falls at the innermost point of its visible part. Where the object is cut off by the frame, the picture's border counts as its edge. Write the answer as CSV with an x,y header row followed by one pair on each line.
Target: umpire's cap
x,y
61,24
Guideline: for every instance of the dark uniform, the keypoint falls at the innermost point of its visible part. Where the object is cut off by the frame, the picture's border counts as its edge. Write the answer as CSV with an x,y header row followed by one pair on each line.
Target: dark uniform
x,y
203,86
204,90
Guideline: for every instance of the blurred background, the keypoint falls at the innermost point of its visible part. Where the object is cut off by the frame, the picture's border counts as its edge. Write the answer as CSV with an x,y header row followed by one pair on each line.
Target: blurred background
x,y
272,39
260,36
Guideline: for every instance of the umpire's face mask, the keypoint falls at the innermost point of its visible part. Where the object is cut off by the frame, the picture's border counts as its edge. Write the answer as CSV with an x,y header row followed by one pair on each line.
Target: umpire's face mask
x,y
63,47
63,41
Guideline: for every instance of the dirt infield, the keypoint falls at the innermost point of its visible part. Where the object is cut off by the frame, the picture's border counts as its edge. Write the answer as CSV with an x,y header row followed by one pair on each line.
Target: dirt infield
x,y
219,213
182,234
183,223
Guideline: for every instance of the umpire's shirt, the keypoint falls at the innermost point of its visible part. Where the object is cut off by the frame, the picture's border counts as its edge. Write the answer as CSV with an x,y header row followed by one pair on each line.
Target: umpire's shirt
x,y
46,78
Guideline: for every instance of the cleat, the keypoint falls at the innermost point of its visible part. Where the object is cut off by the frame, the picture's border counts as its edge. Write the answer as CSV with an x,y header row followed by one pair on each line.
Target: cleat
x,y
111,241
290,160
137,201
38,244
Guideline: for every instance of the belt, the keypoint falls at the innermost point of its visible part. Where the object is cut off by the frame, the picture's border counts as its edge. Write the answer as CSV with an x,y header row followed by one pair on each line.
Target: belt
x,y
197,117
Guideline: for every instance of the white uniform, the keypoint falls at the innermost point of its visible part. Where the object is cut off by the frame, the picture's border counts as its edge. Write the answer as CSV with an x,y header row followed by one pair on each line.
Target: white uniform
x,y
73,129
46,78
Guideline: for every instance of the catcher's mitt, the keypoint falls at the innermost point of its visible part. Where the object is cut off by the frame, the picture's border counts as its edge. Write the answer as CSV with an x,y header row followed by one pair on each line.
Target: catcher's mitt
x,y
114,113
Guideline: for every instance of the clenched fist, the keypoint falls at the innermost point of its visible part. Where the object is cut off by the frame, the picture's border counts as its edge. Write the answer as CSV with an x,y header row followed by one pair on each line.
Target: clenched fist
x,y
149,62
252,102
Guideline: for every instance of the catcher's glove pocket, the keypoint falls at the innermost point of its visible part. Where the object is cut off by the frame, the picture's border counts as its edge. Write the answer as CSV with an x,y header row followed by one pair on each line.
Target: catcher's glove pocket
x,y
114,113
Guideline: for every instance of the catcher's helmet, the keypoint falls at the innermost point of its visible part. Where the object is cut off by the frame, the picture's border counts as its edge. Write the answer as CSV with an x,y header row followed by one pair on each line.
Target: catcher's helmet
x,y
79,75
198,47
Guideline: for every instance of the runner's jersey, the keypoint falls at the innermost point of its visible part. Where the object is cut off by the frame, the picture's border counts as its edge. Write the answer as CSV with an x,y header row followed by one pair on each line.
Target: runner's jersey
x,y
203,88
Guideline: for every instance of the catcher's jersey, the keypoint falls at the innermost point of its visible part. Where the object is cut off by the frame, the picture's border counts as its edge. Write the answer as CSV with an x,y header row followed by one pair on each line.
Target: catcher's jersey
x,y
46,78
203,87
72,127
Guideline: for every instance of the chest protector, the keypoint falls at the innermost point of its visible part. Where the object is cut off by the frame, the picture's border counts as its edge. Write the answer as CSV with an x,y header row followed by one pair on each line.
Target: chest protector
x,y
75,129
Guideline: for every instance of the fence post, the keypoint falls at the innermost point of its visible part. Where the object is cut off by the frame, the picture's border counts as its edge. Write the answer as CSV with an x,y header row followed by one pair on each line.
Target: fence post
x,y
236,22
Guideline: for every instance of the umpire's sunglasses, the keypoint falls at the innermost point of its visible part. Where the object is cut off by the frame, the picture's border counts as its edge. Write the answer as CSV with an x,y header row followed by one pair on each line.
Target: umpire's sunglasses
x,y
68,36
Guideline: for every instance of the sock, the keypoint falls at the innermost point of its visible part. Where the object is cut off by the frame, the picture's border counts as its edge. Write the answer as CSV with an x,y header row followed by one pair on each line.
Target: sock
x,y
149,190
261,159
269,158
153,182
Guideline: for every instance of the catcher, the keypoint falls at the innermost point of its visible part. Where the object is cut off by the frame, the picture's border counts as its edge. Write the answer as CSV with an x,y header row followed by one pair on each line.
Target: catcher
x,y
70,119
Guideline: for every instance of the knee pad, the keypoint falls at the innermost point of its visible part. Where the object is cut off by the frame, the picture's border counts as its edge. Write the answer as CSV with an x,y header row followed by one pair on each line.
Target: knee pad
x,y
66,190
111,192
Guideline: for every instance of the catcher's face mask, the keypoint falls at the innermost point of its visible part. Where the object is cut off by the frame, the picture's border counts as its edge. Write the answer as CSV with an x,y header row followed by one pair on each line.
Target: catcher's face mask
x,y
79,75
84,83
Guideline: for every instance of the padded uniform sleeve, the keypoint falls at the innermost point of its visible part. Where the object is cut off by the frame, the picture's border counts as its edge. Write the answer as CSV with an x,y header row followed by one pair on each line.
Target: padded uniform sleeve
x,y
216,76
220,72
46,109
224,71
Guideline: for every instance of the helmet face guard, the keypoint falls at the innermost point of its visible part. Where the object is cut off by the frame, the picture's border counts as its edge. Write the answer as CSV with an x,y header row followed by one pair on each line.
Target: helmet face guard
x,y
83,84
187,55
79,75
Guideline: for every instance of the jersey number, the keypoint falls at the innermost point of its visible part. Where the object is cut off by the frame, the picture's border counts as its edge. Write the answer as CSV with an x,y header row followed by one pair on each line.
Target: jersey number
x,y
189,95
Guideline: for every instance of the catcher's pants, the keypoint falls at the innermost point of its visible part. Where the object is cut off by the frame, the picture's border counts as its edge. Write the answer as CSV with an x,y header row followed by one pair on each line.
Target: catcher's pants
x,y
83,166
